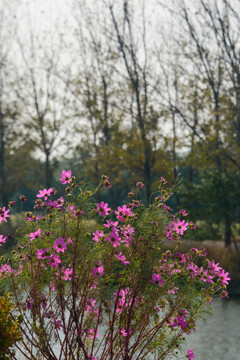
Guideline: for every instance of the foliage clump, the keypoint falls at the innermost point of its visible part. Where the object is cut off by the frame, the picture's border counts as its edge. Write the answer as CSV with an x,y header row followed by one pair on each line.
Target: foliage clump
x,y
10,331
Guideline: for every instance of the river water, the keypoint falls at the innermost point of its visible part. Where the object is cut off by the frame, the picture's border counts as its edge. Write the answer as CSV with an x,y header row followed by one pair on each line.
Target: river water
x,y
218,337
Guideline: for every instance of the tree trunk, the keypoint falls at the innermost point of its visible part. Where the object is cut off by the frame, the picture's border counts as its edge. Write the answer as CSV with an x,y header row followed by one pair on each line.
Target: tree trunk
x,y
48,172
228,231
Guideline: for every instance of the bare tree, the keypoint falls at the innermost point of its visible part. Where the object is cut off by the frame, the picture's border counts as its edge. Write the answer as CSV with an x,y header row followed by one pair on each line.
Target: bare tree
x,y
45,98
9,107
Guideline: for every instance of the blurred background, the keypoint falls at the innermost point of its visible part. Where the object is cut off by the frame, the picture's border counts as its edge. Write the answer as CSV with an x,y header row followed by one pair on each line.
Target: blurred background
x,y
136,90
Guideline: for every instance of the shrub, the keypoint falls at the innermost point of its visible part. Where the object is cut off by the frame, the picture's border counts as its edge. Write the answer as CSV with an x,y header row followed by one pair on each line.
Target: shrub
x,y
115,292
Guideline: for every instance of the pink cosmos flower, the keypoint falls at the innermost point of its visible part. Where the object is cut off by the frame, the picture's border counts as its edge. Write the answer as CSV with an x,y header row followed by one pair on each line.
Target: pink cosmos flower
x,y
182,258
67,274
223,277
106,181
114,238
121,300
98,236
29,302
90,305
214,268
66,177
44,301
4,214
111,224
57,324
60,245
122,258
192,226
181,322
5,269
60,202
163,181
35,235
169,231
32,217
45,193
123,213
11,203
123,332
224,294
180,226
23,198
156,279
92,333
103,209
2,239
183,212
173,290
190,354
54,260
193,269
98,271
42,254
127,233
140,185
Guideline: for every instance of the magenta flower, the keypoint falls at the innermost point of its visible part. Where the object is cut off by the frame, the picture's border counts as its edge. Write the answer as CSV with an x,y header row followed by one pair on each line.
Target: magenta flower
x,y
98,271
29,302
54,260
173,290
123,332
60,202
44,301
57,324
180,226
156,279
66,177
2,239
121,300
214,268
114,238
111,224
223,277
92,333
42,254
35,235
45,193
23,198
60,245
5,269
122,258
193,269
67,274
106,181
11,203
123,213
183,212
4,214
103,209
98,236
163,181
190,354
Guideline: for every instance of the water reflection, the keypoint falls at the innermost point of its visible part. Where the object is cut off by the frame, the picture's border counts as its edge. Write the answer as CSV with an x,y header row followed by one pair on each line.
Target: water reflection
x,y
218,337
